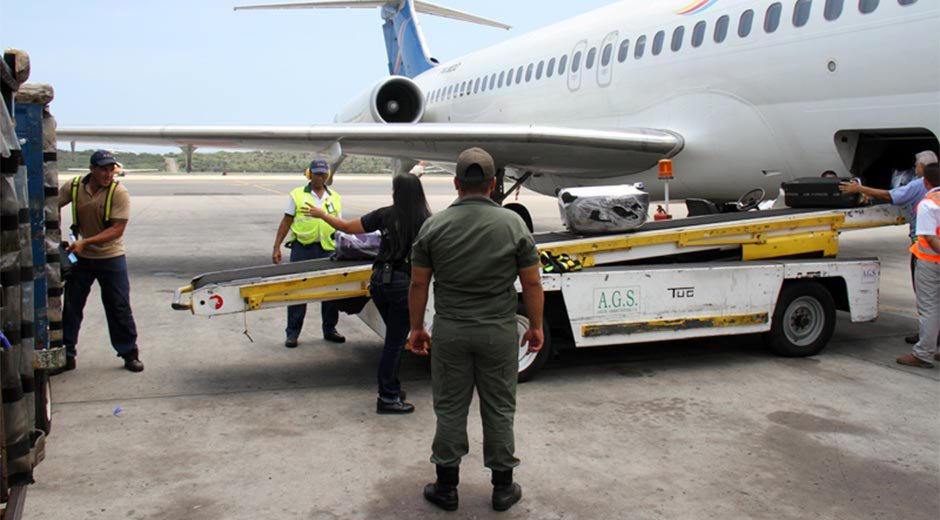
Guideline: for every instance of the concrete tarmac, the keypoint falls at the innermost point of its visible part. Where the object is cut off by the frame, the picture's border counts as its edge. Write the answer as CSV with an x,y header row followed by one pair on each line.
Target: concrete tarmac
x,y
220,426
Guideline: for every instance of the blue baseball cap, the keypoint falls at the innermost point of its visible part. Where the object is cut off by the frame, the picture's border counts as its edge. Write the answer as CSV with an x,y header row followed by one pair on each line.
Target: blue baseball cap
x,y
102,158
319,166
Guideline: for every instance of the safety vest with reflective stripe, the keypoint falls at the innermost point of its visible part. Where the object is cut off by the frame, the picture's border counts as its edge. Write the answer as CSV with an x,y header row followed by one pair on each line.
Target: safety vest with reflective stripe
x,y
308,230
921,247
76,183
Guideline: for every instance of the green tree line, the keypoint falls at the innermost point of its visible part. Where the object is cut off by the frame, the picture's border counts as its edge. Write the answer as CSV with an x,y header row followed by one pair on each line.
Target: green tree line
x,y
257,161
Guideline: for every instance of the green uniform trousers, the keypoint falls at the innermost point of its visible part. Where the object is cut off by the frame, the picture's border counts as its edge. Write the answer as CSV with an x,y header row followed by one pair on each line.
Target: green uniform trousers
x,y
464,355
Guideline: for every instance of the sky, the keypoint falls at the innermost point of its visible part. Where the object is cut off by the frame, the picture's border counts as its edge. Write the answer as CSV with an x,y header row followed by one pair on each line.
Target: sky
x,y
121,62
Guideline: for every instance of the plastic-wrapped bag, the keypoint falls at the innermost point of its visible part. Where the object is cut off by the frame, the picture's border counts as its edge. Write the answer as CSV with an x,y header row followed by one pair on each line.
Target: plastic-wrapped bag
x,y
603,209
363,246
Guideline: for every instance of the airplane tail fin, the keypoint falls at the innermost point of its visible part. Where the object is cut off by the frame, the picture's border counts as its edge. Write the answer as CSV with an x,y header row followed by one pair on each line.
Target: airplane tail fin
x,y
408,53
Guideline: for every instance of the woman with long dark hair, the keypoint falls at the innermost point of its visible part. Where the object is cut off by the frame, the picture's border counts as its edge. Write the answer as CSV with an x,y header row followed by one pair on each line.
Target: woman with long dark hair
x,y
391,276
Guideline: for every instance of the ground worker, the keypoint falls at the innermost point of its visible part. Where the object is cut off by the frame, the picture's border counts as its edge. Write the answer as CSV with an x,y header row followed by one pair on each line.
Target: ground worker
x,y
391,276
101,207
311,238
475,250
906,196
927,278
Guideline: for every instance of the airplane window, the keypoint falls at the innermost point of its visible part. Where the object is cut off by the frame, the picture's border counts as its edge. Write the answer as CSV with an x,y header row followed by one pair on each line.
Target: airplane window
x,y
833,9
528,73
801,12
551,68
463,88
744,25
500,82
562,63
539,69
605,56
509,74
721,28
483,82
492,81
867,6
639,47
476,86
658,42
677,36
576,62
519,74
906,2
591,56
698,34
624,51
772,18
450,90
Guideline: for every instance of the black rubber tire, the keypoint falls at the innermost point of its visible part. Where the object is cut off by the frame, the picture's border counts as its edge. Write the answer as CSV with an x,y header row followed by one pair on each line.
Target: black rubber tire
x,y
521,210
529,372
43,394
803,322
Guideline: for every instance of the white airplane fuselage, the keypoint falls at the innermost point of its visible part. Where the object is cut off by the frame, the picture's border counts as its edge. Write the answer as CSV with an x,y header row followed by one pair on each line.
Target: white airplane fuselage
x,y
753,111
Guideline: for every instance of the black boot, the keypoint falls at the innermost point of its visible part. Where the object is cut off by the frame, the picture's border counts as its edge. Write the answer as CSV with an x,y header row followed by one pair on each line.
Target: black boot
x,y
443,493
132,361
505,491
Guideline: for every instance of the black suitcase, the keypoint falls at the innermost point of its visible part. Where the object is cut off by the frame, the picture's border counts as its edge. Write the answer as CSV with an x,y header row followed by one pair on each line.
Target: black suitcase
x,y
819,192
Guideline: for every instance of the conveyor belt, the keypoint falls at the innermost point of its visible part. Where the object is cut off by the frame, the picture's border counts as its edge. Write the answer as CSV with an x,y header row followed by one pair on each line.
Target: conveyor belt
x,y
249,273
662,225
309,266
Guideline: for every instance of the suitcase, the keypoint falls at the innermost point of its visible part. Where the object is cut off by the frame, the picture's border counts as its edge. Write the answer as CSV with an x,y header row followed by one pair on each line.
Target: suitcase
x,y
603,209
819,192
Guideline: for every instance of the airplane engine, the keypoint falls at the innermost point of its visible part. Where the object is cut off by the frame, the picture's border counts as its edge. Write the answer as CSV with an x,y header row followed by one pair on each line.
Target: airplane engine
x,y
392,100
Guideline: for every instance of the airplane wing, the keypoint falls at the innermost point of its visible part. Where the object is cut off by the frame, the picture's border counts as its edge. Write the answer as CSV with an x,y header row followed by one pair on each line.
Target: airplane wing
x,y
541,149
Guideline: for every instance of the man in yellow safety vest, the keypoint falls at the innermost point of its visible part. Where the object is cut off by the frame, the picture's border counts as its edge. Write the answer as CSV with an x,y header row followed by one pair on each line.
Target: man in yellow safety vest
x,y
927,274
311,238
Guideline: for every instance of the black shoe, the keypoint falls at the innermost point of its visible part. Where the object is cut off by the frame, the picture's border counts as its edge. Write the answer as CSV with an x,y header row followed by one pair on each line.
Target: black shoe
x,y
402,394
443,493
290,343
398,407
132,362
69,365
505,491
912,340
334,336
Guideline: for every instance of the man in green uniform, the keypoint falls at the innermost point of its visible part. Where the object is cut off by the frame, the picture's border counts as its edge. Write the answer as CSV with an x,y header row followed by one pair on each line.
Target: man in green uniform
x,y
311,238
475,250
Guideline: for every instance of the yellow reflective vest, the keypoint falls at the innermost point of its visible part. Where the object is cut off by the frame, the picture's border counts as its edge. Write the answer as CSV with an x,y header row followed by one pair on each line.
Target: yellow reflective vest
x,y
308,230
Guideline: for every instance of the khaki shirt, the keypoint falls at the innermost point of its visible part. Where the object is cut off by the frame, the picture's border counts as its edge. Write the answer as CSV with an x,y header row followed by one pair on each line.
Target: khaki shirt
x,y
475,249
91,216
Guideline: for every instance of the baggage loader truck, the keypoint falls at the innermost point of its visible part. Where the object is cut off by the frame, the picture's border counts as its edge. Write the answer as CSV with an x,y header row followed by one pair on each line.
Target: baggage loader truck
x,y
772,272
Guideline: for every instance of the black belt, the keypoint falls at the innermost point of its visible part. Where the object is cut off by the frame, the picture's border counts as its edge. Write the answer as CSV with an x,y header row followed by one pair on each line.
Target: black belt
x,y
391,266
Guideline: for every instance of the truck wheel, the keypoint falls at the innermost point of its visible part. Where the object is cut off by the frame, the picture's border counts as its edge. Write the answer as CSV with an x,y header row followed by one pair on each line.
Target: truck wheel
x,y
521,210
531,362
803,322
43,401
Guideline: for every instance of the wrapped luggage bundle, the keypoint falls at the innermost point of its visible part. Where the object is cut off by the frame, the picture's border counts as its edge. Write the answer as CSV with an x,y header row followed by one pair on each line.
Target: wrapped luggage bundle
x,y
603,209
819,192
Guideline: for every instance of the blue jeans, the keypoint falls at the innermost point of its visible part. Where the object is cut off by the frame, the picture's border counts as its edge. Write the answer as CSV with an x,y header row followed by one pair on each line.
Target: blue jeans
x,y
111,274
391,299
296,313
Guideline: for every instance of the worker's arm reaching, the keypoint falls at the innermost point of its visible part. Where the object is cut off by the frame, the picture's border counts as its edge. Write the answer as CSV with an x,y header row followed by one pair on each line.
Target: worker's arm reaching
x,y
279,239
855,187
346,226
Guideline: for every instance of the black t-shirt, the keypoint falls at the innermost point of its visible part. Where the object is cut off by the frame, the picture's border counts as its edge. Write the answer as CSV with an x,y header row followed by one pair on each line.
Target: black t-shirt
x,y
384,220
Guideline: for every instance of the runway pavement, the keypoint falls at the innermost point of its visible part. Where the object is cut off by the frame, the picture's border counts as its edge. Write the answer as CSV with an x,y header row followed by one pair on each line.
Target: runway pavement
x,y
220,426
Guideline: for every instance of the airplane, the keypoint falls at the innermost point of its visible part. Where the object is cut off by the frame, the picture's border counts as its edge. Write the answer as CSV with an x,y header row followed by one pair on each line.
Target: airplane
x,y
739,94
